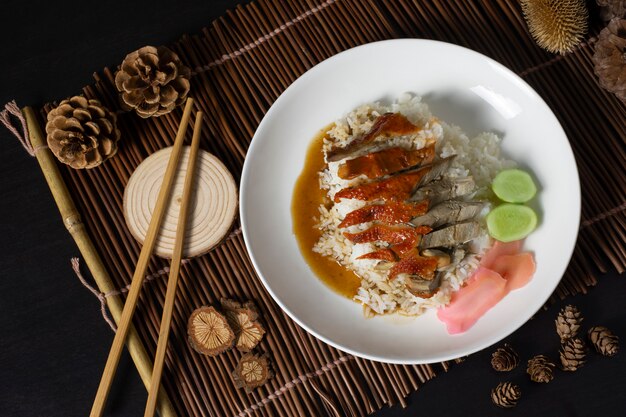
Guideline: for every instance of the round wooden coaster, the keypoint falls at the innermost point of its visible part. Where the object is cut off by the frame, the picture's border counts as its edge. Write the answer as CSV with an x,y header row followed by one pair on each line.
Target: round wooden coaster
x,y
212,209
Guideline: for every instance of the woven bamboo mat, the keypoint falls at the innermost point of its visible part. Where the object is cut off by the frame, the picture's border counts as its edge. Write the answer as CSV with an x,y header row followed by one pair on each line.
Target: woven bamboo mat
x,y
241,64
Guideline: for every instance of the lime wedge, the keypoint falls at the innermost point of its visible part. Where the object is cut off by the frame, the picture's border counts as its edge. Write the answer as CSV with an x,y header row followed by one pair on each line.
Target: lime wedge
x,y
514,186
510,222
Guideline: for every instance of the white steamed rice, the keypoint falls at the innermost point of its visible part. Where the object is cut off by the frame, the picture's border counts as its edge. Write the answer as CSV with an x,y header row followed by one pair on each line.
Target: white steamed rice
x,y
479,157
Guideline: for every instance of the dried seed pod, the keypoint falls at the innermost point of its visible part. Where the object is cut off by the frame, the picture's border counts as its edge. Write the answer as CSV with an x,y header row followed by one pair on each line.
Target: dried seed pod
x,y
209,332
608,58
243,320
572,354
506,395
557,26
504,358
540,369
603,340
252,371
568,322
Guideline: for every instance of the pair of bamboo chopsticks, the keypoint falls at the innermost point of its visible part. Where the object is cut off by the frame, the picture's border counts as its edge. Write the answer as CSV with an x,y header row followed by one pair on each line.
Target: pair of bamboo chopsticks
x,y
142,264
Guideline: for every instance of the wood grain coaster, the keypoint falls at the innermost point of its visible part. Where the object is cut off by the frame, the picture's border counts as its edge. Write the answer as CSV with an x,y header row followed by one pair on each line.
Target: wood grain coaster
x,y
241,63
213,203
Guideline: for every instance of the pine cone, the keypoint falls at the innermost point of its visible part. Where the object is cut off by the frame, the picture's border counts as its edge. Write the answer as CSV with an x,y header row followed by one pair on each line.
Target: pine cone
x,y
610,58
572,354
605,342
506,395
152,81
568,322
540,369
610,9
504,359
82,133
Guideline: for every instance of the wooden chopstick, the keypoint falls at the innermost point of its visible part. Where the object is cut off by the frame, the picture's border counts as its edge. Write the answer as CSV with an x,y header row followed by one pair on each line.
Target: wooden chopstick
x,y
140,270
172,282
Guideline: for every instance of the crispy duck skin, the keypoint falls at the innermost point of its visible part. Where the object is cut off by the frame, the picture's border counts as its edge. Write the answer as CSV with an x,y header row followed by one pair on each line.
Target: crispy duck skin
x,y
397,188
391,212
386,254
415,265
387,161
387,125
402,239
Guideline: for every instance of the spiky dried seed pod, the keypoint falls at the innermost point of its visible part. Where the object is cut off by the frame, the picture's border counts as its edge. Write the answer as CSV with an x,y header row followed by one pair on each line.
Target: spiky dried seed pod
x,y
572,354
504,358
209,332
506,395
603,340
609,58
540,369
568,322
556,25
610,9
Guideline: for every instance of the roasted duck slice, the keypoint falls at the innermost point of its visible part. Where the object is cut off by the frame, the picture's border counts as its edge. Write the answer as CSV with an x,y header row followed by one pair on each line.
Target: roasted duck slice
x,y
387,161
444,189
398,187
391,212
402,239
416,266
386,125
449,212
387,255
451,236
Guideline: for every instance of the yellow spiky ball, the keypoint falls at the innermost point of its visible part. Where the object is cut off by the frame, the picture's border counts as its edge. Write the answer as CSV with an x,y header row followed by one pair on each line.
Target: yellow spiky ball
x,y
556,25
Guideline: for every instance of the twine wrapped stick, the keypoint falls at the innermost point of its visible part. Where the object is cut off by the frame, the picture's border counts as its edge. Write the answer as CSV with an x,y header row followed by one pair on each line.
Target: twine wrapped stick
x,y
34,142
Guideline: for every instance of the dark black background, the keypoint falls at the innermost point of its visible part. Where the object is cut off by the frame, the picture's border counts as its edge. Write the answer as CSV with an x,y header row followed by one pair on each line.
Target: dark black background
x,y
53,342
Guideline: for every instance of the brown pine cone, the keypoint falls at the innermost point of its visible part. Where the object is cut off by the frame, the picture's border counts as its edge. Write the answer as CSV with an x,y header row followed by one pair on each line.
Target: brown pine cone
x,y
82,133
540,369
152,81
605,342
612,8
572,354
610,58
568,322
504,359
506,395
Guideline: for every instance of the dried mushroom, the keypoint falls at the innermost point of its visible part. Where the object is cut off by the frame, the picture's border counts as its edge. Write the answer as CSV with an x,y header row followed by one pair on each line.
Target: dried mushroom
x,y
252,371
209,332
243,320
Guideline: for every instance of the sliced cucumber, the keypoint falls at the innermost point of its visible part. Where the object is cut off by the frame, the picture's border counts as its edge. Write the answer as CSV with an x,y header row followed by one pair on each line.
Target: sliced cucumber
x,y
510,222
514,186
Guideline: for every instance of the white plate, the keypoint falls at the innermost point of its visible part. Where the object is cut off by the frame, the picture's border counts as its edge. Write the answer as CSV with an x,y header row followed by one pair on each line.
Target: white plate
x,y
462,87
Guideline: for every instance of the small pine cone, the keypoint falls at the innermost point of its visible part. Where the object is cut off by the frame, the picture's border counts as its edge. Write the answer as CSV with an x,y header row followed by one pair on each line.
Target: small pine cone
x,y
572,354
612,8
609,58
603,340
506,395
568,322
504,359
152,81
540,369
82,133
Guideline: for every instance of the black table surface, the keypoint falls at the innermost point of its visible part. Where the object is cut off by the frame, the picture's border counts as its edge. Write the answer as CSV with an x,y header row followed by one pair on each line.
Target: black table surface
x,y
54,342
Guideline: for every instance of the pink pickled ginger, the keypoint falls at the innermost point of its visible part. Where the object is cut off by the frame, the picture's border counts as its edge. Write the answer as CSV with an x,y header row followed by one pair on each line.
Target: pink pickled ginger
x,y
517,270
484,290
501,249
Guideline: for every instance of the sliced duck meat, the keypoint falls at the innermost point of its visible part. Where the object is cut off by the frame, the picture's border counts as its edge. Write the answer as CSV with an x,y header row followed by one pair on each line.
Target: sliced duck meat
x,y
386,125
423,288
416,266
401,238
449,212
391,212
451,236
444,189
387,255
387,161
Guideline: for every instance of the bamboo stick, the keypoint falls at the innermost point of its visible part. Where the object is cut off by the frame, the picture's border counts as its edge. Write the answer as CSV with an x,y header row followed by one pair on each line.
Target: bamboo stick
x,y
172,283
73,223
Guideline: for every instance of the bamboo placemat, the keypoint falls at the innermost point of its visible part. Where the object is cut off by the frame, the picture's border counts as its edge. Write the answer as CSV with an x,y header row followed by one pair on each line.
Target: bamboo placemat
x,y
241,64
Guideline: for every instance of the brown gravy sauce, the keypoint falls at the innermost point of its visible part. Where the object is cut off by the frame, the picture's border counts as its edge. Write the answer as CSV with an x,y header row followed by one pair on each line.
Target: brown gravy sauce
x,y
307,197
